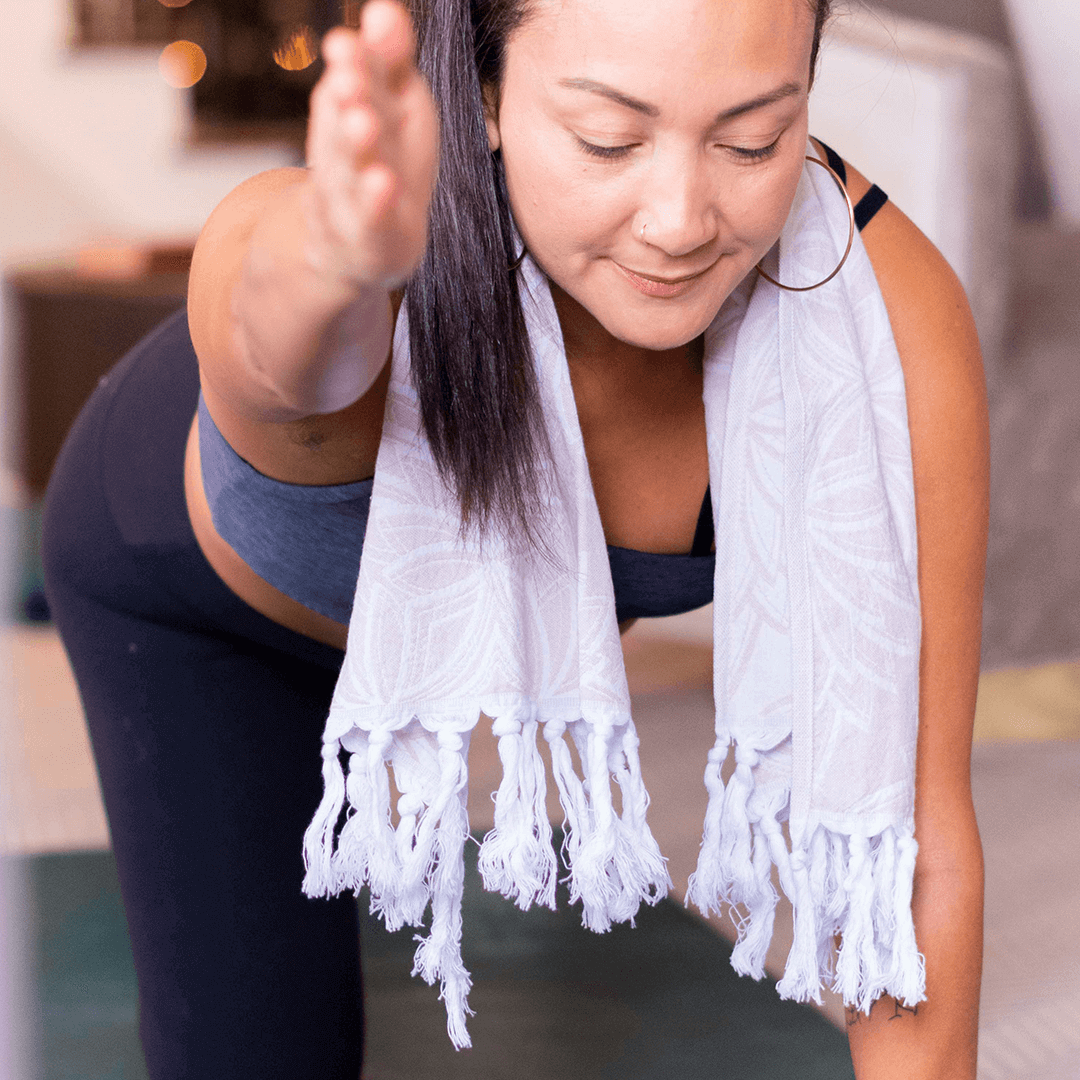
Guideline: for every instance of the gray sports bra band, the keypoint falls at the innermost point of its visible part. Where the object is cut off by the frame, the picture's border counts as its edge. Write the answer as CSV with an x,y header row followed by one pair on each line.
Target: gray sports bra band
x,y
303,539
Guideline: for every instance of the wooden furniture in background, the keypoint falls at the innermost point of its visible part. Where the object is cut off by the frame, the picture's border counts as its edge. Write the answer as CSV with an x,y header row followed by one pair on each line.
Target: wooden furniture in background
x,y
71,326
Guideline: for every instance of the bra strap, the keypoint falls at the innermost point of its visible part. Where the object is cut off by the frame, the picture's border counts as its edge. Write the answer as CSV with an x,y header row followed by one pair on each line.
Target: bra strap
x,y
836,162
870,203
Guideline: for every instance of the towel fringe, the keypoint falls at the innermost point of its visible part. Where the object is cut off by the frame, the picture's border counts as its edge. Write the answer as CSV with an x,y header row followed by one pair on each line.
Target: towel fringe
x,y
438,956
319,878
856,886
756,928
517,858
705,887
614,860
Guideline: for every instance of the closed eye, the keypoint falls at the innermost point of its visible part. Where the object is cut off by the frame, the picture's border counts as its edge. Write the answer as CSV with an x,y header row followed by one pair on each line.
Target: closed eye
x,y
605,153
614,153
755,154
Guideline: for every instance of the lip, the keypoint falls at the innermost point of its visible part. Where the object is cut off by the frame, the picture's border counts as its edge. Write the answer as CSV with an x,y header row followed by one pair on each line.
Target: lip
x,y
665,288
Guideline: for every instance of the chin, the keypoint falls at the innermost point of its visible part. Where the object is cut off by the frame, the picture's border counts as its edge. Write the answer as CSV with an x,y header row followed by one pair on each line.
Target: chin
x,y
652,327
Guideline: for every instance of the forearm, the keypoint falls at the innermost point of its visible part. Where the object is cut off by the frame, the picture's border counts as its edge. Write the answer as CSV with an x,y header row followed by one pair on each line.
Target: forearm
x,y
288,302
937,1039
306,336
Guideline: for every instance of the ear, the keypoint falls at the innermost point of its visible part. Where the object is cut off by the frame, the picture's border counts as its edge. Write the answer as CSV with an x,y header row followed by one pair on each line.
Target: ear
x,y
491,116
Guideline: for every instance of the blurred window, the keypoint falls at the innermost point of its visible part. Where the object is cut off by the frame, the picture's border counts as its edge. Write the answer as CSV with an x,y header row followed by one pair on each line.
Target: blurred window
x,y
261,55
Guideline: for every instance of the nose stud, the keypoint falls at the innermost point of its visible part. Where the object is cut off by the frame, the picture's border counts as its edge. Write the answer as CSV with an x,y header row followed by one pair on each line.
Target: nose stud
x,y
643,232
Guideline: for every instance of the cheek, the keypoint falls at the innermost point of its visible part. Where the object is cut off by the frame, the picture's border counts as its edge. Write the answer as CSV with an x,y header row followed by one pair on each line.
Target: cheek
x,y
757,213
560,204
558,214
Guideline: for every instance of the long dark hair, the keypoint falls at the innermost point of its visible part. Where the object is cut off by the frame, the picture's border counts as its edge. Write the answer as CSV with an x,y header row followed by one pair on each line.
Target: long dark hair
x,y
471,363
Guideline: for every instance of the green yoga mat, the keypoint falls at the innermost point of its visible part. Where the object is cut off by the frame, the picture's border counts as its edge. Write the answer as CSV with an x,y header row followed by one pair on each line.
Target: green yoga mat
x,y
553,1000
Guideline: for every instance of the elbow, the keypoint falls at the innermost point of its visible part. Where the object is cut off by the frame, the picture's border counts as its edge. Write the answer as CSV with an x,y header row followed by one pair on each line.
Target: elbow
x,y
291,379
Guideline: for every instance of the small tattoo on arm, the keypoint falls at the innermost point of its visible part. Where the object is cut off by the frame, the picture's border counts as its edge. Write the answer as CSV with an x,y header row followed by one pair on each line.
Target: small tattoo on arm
x,y
899,1010
853,1016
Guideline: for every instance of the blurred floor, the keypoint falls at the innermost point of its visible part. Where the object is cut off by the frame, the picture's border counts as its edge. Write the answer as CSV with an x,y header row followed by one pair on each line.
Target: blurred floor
x,y
1025,768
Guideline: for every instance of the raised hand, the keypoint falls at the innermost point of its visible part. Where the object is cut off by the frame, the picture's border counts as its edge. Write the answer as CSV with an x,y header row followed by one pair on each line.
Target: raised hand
x,y
372,151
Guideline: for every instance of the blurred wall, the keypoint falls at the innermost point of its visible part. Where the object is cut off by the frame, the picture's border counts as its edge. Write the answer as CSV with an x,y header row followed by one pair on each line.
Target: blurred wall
x,y
92,143
1048,38
987,18
1045,37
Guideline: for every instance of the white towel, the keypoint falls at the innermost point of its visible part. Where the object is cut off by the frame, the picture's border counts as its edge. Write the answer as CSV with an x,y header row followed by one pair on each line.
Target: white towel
x,y
816,650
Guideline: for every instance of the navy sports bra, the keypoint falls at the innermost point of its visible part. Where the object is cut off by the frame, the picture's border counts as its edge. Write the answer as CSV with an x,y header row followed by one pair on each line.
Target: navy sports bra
x,y
306,540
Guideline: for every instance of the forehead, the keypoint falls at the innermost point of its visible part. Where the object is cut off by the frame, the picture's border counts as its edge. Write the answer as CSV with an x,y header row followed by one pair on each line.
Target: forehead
x,y
686,46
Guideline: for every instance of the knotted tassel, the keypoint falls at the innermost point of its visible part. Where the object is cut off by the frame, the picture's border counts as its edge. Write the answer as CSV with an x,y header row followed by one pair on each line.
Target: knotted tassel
x,y
354,842
571,792
438,956
739,883
802,973
759,898
517,858
319,878
591,878
857,959
907,969
825,888
638,861
414,891
706,883
372,795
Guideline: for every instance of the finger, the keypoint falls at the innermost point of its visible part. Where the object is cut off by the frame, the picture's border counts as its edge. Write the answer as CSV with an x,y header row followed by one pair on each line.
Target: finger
x,y
339,45
348,74
347,135
380,187
387,35
358,134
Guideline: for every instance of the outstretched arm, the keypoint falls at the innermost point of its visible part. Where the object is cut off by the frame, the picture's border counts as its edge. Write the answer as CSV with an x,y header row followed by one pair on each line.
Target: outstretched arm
x,y
289,302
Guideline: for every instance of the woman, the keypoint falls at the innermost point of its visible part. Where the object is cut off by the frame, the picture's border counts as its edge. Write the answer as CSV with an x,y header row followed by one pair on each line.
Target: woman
x,y
644,156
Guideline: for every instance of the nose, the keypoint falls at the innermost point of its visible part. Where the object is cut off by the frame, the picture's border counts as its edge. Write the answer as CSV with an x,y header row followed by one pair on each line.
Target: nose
x,y
678,212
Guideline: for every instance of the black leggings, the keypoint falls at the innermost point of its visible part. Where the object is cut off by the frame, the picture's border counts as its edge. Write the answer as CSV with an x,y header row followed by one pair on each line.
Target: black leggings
x,y
205,719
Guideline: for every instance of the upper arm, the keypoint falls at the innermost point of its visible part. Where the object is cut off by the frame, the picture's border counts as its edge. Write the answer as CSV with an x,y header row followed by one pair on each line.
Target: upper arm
x,y
947,416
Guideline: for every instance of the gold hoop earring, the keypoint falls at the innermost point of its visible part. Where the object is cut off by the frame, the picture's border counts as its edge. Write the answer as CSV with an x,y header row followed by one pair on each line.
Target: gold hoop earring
x,y
850,239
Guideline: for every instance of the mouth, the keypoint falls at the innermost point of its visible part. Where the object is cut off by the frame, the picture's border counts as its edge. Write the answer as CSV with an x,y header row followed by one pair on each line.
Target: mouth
x,y
664,287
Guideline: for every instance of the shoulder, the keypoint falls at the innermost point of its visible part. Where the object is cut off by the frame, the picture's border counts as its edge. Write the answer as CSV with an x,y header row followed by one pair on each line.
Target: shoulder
x,y
928,310
936,338
242,205
231,221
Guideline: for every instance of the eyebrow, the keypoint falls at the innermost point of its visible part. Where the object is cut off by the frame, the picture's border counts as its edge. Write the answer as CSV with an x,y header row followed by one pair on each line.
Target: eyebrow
x,y
591,86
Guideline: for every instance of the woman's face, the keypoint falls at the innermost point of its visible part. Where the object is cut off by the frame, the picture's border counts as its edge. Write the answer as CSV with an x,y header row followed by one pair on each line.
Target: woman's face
x,y
683,118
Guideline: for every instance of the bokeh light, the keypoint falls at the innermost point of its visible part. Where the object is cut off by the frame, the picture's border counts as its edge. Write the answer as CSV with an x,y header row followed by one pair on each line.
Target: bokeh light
x,y
174,3
182,64
299,50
